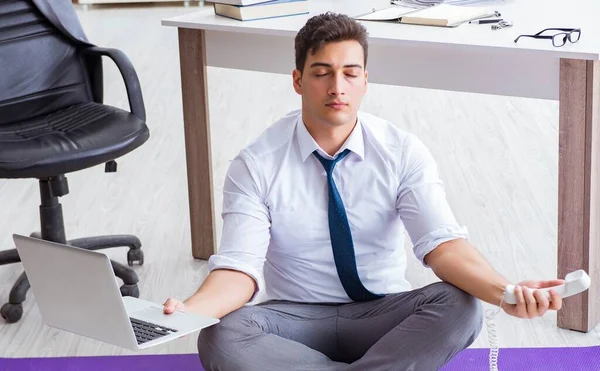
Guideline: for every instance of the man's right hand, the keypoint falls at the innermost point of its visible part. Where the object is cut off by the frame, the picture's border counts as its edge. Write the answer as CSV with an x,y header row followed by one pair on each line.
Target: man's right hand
x,y
171,305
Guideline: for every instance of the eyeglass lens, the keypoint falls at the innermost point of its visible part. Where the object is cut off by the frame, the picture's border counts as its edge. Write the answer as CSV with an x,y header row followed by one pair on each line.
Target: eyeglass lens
x,y
560,39
574,36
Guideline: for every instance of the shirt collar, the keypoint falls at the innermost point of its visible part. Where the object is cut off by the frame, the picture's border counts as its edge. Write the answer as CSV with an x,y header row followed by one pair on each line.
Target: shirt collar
x,y
308,145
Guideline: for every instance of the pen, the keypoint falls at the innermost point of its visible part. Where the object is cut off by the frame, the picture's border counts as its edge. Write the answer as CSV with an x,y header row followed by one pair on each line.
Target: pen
x,y
486,21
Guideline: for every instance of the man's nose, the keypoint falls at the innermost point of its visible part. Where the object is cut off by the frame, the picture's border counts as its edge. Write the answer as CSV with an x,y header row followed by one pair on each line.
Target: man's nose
x,y
337,85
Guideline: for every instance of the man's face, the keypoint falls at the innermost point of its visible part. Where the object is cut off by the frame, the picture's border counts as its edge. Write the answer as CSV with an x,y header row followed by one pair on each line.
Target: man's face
x,y
332,84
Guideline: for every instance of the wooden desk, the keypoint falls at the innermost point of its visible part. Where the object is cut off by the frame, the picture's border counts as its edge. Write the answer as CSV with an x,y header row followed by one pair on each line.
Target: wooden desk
x,y
469,58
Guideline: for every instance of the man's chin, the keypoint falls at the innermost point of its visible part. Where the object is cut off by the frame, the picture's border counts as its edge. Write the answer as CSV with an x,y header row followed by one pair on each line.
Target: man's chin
x,y
339,118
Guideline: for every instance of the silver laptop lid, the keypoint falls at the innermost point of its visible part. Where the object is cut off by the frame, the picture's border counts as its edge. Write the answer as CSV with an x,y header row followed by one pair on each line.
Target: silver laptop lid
x,y
76,290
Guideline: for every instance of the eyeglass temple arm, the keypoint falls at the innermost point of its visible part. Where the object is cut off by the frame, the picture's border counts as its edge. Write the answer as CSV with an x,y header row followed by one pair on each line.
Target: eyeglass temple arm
x,y
557,29
533,36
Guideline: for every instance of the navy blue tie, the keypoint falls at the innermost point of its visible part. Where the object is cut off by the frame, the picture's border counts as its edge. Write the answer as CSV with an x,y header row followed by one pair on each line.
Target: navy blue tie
x,y
341,237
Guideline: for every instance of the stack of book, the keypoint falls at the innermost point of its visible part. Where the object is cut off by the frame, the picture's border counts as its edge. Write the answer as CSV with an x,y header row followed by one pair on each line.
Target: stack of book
x,y
248,10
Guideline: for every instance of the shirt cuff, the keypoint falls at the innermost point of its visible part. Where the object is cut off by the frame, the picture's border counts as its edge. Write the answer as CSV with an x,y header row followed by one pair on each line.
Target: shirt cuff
x,y
225,262
430,241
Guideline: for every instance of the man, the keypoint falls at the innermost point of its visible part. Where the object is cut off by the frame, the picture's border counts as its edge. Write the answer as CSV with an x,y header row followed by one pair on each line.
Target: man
x,y
318,204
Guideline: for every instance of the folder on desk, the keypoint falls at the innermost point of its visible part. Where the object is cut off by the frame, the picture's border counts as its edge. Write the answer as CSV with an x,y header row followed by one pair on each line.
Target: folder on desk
x,y
443,15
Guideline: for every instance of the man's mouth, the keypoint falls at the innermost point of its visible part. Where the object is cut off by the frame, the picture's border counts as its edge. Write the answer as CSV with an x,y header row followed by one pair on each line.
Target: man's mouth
x,y
336,105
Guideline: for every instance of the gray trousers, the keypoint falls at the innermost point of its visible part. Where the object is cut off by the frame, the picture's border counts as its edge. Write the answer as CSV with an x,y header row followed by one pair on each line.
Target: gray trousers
x,y
417,330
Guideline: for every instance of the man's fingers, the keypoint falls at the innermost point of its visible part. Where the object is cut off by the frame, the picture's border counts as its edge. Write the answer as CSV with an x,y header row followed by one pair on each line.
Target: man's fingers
x,y
521,305
531,302
542,302
551,283
170,305
555,300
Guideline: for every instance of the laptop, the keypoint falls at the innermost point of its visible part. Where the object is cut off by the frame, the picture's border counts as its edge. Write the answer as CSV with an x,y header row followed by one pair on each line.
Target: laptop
x,y
77,291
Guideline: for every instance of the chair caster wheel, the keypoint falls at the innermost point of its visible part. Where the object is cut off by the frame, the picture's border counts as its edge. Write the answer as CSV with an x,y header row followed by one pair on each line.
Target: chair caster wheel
x,y
130,290
12,312
135,255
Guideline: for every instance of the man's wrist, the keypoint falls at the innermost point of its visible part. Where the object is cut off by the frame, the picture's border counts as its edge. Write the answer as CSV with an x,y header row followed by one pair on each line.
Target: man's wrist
x,y
499,293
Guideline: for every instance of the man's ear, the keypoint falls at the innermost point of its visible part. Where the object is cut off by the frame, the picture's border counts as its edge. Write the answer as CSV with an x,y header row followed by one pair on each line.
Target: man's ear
x,y
297,79
366,80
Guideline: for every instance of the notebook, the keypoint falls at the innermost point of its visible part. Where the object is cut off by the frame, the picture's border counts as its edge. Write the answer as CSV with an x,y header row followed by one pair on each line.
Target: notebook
x,y
270,9
443,15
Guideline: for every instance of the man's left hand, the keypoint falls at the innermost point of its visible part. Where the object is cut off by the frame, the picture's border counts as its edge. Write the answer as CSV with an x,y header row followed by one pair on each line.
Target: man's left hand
x,y
531,303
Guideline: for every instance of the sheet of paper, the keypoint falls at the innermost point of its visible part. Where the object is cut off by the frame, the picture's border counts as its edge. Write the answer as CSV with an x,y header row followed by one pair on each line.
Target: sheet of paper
x,y
451,12
426,3
386,14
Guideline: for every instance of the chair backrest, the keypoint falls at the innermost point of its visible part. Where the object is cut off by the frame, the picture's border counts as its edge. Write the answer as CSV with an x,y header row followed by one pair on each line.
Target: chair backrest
x,y
41,70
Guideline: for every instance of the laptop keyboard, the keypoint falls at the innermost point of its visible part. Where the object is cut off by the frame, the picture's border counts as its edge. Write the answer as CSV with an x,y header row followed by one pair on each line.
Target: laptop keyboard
x,y
146,331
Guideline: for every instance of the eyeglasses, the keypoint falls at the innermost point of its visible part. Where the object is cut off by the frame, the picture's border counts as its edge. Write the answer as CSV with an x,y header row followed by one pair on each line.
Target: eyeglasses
x,y
558,39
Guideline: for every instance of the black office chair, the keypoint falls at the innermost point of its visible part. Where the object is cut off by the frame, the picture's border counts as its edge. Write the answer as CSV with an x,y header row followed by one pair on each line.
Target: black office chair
x,y
53,122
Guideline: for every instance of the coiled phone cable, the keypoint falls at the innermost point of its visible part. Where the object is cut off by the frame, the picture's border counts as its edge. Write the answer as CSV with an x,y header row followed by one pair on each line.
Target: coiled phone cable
x,y
492,336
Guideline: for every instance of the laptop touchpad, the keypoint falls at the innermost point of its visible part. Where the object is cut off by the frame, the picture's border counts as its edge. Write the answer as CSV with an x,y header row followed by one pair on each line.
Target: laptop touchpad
x,y
156,315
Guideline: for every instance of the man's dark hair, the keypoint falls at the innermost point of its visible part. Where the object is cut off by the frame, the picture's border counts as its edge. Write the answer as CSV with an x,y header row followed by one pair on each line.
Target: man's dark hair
x,y
325,28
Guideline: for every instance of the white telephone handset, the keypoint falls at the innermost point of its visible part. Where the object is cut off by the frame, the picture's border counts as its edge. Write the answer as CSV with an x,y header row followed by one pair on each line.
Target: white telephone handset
x,y
575,283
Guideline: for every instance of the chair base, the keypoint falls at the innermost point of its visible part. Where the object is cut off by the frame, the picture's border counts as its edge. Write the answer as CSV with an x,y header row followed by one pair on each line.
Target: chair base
x,y
13,310
52,229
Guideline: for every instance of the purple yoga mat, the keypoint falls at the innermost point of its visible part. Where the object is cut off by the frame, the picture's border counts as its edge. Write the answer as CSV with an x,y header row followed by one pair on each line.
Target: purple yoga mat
x,y
529,359
510,359
151,362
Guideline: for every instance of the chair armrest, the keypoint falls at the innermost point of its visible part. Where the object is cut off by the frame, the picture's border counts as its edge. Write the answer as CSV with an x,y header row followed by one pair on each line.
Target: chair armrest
x,y
132,84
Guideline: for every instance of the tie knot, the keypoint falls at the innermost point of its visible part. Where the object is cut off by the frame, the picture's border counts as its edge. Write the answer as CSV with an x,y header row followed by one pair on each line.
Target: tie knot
x,y
329,164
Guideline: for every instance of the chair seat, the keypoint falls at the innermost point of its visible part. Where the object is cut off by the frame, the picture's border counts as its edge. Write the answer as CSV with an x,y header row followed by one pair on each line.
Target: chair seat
x,y
72,139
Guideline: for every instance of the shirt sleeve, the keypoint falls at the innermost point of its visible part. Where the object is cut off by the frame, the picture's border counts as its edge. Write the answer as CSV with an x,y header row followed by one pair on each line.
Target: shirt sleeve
x,y
246,222
421,200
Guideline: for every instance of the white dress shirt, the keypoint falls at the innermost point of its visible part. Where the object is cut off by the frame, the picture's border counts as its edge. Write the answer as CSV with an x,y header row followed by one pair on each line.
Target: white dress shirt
x,y
275,224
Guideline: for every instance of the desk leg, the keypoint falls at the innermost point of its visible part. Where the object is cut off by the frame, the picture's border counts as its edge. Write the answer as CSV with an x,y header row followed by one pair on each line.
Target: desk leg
x,y
579,188
192,55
